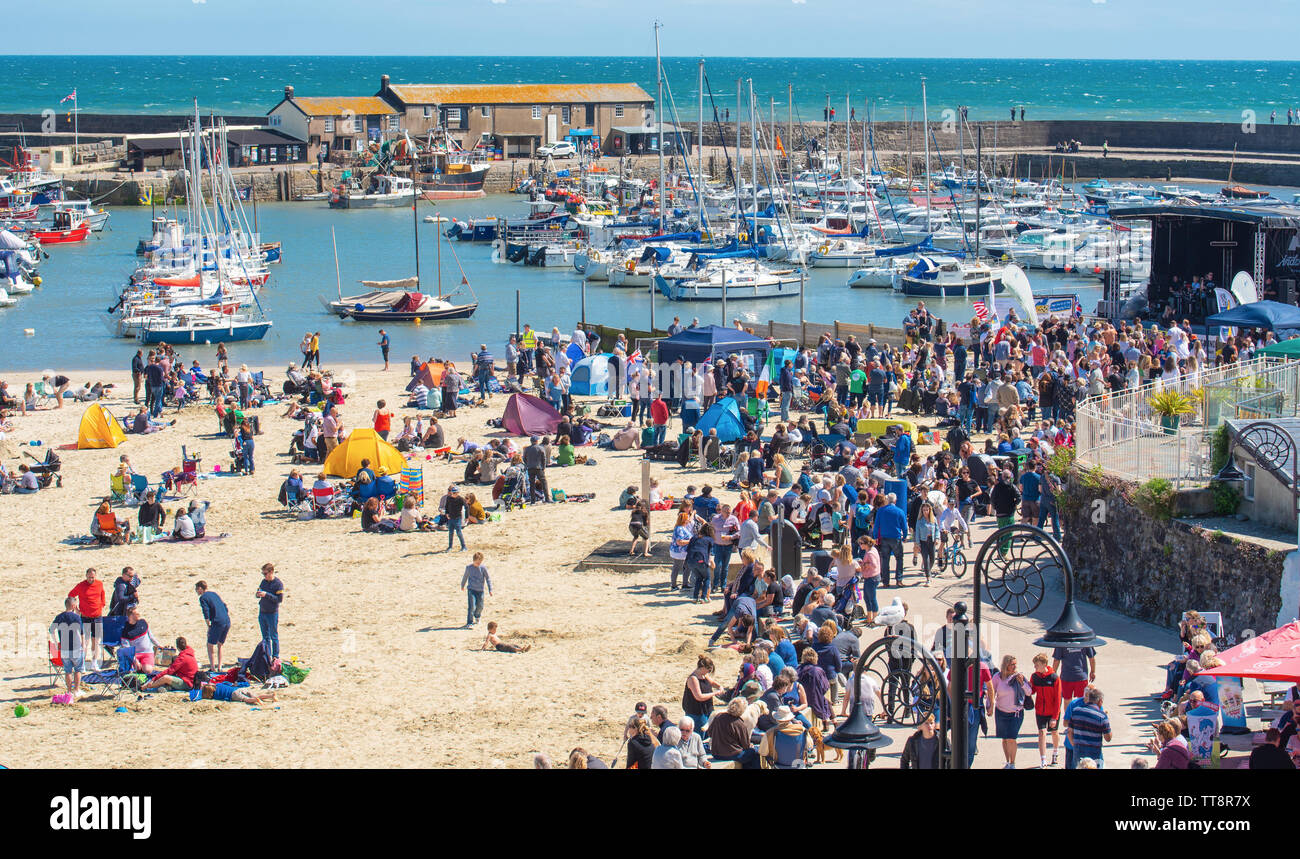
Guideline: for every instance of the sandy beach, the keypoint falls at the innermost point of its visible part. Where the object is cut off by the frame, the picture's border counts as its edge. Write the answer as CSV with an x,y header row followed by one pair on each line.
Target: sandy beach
x,y
395,681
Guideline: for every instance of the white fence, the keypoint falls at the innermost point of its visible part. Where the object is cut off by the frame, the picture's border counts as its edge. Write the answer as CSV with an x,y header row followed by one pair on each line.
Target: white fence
x,y
1121,433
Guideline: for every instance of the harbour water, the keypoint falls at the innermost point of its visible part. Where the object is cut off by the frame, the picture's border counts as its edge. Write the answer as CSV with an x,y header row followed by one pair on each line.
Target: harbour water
x,y
81,282
1204,90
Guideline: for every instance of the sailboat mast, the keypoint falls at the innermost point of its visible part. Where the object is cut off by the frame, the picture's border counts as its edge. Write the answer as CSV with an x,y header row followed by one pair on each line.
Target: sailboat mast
x,y
753,152
415,229
979,145
437,231
925,133
338,279
700,184
659,123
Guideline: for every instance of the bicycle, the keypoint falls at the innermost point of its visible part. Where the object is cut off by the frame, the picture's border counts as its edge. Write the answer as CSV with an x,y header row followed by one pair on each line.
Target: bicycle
x,y
952,555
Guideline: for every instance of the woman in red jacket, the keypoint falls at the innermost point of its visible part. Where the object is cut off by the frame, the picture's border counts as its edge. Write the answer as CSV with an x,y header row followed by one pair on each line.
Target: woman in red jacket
x,y
1047,706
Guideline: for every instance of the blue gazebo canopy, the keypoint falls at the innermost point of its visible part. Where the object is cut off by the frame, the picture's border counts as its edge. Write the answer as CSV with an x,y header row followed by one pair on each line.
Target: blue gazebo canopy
x,y
1259,314
697,345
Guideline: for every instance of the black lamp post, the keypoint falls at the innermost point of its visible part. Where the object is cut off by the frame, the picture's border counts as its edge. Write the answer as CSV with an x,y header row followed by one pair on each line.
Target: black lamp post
x,y
860,734
1012,561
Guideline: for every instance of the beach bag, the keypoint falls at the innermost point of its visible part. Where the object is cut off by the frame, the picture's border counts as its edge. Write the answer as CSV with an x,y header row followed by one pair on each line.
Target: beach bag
x,y
558,495
293,672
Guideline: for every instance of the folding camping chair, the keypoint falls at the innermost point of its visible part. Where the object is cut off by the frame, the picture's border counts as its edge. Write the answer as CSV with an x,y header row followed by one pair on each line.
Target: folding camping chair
x,y
189,479
44,392
118,493
139,486
110,531
326,502
55,664
112,681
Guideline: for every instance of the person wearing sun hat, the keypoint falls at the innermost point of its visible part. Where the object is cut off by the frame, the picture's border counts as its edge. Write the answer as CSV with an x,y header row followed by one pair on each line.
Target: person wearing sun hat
x,y
785,745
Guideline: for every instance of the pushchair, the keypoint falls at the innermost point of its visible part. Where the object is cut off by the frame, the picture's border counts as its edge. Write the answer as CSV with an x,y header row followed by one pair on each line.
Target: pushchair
x,y
511,491
47,470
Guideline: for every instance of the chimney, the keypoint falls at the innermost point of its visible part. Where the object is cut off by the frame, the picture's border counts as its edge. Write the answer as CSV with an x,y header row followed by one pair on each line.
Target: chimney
x,y
383,82
288,92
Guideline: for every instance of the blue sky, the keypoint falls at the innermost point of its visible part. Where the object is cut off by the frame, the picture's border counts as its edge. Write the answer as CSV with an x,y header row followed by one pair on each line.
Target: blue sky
x,y
1131,29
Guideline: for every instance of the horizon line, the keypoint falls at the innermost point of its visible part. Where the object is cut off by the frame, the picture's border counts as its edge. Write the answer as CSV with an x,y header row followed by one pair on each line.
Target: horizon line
x,y
666,57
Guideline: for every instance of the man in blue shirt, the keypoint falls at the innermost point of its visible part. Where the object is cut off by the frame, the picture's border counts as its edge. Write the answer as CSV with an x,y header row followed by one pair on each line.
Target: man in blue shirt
x,y
786,383
270,594
1030,492
902,451
217,618
1087,726
66,630
383,346
889,530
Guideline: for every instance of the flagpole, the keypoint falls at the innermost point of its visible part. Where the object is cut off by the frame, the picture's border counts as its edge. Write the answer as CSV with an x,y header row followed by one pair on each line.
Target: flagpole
x,y
76,128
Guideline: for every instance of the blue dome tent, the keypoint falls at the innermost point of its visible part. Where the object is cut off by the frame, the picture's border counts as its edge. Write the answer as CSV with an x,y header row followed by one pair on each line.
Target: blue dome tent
x,y
590,376
724,416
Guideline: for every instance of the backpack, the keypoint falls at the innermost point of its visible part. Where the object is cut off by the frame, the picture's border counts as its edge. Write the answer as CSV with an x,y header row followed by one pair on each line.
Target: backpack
x,y
862,516
788,749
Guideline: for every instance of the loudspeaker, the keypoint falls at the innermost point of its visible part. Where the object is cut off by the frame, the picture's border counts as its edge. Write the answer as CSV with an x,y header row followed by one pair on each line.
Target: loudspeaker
x,y
1286,291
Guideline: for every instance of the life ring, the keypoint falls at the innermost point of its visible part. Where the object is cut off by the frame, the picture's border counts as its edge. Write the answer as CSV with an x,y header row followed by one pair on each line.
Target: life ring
x,y
823,249
631,265
744,237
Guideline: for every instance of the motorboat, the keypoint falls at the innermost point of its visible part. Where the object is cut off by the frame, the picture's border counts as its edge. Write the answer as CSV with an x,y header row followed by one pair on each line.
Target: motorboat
x,y
939,278
384,191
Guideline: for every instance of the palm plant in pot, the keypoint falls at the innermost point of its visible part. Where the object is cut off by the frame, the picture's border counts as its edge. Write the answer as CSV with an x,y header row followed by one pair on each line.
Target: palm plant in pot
x,y
1172,406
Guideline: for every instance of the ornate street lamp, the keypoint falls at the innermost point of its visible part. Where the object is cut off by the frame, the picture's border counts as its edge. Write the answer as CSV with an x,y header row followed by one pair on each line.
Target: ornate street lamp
x,y
1011,563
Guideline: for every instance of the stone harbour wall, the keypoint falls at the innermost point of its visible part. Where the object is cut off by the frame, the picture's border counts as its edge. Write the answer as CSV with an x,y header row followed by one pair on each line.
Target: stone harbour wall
x,y
1154,570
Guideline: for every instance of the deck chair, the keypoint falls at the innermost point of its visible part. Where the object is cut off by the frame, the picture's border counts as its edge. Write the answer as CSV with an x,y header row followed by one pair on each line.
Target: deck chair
x,y
189,479
118,493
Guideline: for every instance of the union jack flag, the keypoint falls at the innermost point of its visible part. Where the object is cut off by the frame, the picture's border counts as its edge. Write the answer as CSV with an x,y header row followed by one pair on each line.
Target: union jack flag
x,y
72,96
981,311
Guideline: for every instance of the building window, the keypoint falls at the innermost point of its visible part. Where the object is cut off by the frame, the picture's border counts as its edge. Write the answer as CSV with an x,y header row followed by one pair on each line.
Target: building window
x,y
58,156
271,152
485,111
394,122
428,111
453,115
274,121
537,112
618,111
329,125
564,114
1248,488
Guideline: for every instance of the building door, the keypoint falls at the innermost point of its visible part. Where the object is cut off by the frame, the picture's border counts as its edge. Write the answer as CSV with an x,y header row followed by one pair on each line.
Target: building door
x,y
551,128
591,115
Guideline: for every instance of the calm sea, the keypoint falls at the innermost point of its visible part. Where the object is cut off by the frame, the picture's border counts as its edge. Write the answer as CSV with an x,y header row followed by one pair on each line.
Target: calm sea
x,y
1101,89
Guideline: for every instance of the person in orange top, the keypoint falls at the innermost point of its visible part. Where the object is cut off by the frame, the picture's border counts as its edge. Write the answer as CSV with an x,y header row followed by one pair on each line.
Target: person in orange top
x,y
90,597
383,419
1046,685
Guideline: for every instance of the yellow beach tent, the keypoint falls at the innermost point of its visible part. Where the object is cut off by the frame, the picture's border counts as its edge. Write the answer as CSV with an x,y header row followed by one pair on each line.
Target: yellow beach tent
x,y
364,443
99,429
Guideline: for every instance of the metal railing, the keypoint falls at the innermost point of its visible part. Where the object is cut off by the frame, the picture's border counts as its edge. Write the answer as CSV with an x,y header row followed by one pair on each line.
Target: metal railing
x,y
1121,433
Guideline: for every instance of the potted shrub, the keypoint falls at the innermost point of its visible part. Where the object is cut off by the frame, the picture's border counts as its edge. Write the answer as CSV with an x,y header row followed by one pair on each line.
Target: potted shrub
x,y
1171,406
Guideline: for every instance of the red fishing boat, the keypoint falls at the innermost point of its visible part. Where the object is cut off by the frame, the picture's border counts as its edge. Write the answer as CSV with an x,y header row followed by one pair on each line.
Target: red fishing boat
x,y
68,227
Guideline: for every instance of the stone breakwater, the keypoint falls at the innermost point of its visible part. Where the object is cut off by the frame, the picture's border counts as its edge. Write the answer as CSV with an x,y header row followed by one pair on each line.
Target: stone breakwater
x,y
1168,151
